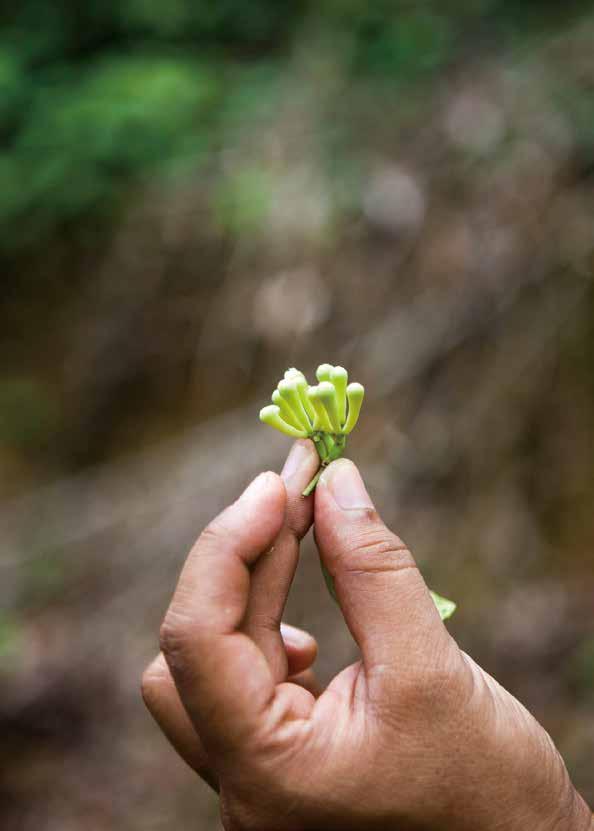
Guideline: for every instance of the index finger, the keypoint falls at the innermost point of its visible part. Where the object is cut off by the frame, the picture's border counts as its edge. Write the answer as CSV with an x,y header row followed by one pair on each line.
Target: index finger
x,y
222,677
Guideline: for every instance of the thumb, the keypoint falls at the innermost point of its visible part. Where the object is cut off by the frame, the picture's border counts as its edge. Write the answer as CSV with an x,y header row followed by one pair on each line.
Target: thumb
x,y
381,592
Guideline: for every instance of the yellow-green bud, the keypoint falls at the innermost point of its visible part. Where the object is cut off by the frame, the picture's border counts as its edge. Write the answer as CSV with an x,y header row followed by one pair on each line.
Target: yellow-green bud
x,y
271,415
327,394
289,391
293,373
355,394
322,421
323,372
340,378
286,411
302,390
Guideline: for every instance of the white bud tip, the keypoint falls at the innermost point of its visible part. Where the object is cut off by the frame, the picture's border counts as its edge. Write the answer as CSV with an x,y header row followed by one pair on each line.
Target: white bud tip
x,y
285,385
269,412
355,390
339,372
323,372
326,388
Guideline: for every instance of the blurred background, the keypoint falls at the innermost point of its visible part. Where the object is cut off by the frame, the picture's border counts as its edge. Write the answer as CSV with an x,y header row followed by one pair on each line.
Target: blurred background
x,y
195,196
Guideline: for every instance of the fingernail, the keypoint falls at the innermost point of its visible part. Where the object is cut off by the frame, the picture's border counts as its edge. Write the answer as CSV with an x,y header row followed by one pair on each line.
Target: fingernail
x,y
299,455
295,637
346,486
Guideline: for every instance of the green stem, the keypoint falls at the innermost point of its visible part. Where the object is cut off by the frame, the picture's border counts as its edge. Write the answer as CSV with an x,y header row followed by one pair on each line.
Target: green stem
x,y
328,444
329,448
311,487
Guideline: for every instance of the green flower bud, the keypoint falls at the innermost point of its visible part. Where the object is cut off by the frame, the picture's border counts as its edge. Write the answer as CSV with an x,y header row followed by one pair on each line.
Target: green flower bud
x,y
302,386
322,421
271,415
327,395
354,393
324,371
293,373
290,393
286,410
340,378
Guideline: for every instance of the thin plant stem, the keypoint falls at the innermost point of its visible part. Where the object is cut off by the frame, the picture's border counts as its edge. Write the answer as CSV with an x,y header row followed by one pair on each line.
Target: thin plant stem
x,y
310,488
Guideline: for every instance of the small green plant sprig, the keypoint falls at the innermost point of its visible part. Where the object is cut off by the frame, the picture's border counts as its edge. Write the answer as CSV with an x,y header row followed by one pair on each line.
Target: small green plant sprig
x,y
325,413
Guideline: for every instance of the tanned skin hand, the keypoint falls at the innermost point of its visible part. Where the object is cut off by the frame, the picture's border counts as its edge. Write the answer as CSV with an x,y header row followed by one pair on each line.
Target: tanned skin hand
x,y
415,735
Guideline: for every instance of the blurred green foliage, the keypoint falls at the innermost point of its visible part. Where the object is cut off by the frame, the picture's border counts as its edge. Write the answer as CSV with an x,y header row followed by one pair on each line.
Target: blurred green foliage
x,y
29,417
95,97
243,202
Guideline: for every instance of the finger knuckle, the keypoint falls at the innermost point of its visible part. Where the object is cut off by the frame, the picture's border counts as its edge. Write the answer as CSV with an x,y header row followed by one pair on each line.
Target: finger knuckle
x,y
379,551
174,635
150,684
264,622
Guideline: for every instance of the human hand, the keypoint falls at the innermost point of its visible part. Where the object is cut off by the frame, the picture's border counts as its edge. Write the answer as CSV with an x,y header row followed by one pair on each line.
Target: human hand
x,y
413,736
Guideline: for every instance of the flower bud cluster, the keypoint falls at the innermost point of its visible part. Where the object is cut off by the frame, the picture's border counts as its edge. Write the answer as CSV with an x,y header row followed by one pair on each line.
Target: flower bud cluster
x,y
330,407
325,413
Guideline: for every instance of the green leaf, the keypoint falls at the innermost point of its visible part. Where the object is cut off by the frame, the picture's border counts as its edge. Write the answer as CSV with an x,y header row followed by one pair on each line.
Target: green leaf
x,y
445,607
